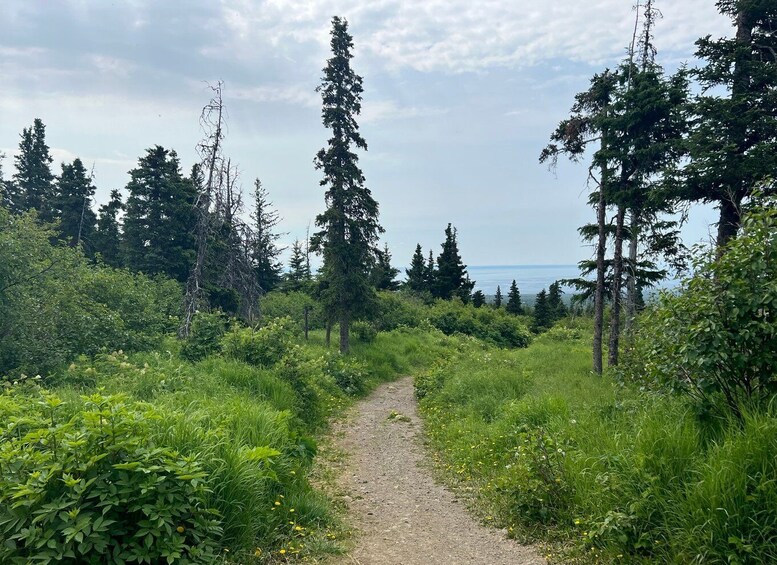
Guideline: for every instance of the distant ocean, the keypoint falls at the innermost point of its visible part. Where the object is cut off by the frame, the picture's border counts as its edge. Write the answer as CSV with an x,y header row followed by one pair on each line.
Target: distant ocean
x,y
530,279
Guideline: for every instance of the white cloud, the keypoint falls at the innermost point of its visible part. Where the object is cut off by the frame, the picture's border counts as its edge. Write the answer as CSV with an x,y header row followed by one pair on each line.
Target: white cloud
x,y
461,35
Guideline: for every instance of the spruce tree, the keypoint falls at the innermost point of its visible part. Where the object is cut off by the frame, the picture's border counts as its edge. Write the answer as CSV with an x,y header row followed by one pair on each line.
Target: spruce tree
x,y
416,274
498,297
451,278
160,217
33,184
107,238
478,298
430,273
514,305
72,204
349,226
264,248
556,306
733,140
542,314
382,274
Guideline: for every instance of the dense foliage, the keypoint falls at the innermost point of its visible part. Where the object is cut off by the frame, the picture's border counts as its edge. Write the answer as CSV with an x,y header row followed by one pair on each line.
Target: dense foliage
x,y
716,339
54,305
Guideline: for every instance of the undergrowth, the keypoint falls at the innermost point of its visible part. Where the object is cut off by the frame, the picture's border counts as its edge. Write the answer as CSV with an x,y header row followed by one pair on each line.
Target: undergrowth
x,y
600,471
221,439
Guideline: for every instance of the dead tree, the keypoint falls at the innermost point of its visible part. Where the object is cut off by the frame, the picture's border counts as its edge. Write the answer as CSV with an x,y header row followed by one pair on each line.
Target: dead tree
x,y
207,175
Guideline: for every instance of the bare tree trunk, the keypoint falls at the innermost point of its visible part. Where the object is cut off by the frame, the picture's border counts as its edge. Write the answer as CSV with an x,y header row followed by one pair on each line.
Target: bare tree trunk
x,y
599,294
631,281
615,319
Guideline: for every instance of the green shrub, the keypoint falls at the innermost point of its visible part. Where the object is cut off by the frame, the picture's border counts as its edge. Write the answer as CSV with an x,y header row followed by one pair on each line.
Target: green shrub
x,y
350,374
96,488
208,328
716,339
263,347
396,309
54,305
364,331
493,326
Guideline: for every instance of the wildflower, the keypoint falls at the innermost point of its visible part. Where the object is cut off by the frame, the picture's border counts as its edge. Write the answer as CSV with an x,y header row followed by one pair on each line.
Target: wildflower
x,y
282,552
180,529
257,552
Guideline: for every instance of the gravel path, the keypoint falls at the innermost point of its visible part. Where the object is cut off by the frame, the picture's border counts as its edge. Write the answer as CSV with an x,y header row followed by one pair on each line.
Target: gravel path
x,y
405,518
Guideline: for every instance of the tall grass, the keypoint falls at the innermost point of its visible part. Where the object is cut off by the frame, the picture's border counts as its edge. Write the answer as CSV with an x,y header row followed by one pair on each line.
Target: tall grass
x,y
609,472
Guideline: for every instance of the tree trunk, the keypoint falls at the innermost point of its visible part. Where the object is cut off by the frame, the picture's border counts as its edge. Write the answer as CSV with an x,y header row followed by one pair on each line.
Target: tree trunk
x,y
599,295
328,333
345,345
728,223
732,198
617,268
631,281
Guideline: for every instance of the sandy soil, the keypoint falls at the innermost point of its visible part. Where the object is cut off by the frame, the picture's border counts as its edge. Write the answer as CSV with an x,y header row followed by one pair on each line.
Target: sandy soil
x,y
404,516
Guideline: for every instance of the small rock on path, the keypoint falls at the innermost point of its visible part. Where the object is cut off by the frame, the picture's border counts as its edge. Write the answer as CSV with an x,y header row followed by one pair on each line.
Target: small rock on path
x,y
405,518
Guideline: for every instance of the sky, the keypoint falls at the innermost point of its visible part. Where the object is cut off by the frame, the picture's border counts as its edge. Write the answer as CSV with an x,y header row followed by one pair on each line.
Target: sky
x,y
460,97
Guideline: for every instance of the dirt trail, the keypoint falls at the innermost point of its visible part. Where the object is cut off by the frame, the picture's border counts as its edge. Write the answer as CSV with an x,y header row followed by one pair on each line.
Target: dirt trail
x,y
405,518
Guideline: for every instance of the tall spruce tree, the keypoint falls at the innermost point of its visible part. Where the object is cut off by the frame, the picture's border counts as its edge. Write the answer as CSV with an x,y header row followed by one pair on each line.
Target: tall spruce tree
x,y
264,247
107,237
32,185
451,278
571,138
160,217
514,305
498,297
416,274
72,204
478,298
733,145
349,226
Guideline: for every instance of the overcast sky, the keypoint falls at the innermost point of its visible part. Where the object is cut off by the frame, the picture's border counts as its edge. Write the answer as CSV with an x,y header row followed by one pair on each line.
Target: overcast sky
x,y
460,97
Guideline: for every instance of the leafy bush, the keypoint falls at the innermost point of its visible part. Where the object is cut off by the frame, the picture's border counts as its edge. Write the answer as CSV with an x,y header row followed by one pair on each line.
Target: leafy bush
x,y
54,305
494,326
263,347
364,331
95,487
349,373
208,328
716,339
396,309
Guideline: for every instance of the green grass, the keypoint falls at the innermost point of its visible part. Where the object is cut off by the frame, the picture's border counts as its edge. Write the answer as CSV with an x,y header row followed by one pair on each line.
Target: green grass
x,y
599,471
